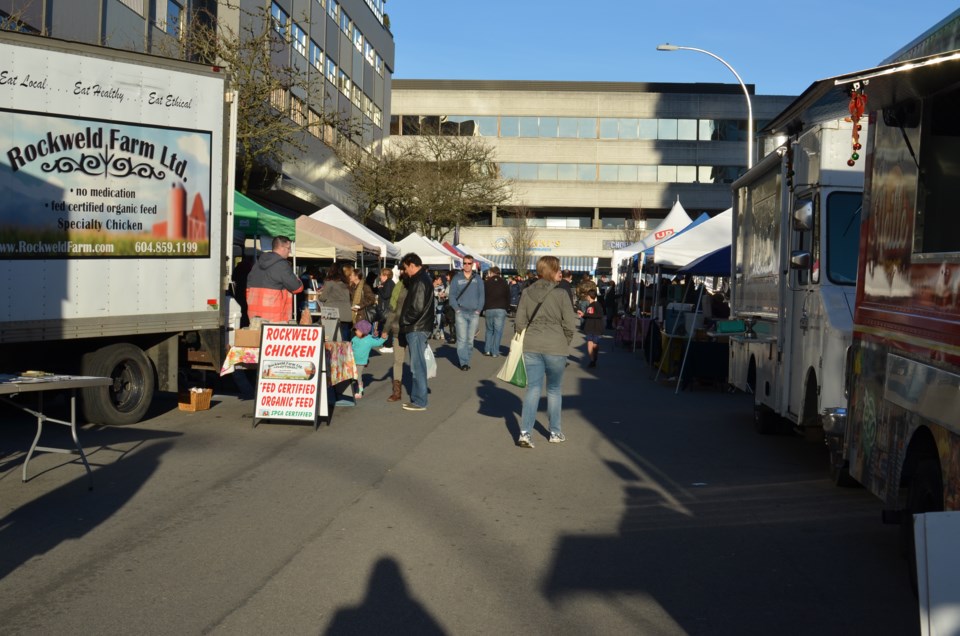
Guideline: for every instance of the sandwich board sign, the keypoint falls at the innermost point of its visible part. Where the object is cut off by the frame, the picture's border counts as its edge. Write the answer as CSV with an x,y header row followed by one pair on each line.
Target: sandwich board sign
x,y
292,375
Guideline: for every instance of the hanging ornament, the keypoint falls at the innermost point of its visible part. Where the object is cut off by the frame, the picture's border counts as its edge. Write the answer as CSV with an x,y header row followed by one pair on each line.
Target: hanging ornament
x,y
858,104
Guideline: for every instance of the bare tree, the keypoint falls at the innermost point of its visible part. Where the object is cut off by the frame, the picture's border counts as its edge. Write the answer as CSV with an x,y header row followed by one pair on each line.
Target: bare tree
x,y
429,184
631,229
522,234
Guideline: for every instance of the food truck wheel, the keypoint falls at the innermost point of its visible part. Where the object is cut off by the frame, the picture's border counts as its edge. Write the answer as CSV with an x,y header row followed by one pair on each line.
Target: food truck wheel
x,y
127,399
925,495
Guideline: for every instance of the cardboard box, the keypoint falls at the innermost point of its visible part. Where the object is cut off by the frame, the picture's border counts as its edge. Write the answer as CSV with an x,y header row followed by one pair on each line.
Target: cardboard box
x,y
246,338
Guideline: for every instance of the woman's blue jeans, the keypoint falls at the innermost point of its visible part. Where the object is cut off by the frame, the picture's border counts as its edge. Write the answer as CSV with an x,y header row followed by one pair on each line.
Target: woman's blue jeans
x,y
494,319
538,365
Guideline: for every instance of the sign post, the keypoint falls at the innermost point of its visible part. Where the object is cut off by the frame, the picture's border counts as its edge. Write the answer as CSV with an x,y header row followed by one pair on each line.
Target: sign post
x,y
292,375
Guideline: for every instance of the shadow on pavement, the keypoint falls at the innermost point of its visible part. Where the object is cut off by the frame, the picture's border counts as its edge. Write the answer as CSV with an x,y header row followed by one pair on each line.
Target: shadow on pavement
x,y
387,608
71,511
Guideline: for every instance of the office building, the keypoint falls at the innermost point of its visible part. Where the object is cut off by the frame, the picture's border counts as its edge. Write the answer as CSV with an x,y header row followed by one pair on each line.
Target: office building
x,y
594,162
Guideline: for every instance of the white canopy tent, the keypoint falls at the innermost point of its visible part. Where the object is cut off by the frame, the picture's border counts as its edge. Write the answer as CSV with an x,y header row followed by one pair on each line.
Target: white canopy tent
x,y
321,240
336,217
703,239
675,221
428,252
466,249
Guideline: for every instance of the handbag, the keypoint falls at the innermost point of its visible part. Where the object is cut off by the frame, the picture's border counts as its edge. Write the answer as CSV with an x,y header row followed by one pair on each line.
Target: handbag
x,y
513,370
431,361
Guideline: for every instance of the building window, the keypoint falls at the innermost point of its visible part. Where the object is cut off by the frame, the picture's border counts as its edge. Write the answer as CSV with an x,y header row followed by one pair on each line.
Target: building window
x,y
368,53
314,126
170,18
135,5
609,173
377,116
687,129
278,99
529,126
343,82
509,126
281,21
331,71
333,10
355,94
378,64
609,128
299,39
629,128
316,56
647,174
298,111
647,129
358,39
345,24
586,172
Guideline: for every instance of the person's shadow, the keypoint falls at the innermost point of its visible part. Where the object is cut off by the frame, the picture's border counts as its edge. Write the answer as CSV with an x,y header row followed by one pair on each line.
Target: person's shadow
x,y
498,402
387,608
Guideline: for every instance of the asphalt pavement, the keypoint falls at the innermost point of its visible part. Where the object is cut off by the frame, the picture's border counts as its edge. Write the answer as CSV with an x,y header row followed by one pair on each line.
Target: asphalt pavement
x,y
661,514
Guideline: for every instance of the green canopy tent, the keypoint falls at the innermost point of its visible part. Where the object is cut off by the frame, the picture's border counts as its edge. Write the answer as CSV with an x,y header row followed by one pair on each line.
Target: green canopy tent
x,y
252,219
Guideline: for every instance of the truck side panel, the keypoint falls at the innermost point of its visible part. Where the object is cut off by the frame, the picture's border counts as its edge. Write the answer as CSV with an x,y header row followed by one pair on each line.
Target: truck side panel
x,y
112,187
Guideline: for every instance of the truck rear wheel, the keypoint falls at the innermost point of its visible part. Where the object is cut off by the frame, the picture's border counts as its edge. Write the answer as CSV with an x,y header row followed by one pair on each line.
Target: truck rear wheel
x,y
127,399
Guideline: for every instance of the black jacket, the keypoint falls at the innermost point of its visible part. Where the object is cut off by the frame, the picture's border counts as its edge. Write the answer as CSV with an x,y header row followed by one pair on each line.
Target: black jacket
x,y
418,310
496,293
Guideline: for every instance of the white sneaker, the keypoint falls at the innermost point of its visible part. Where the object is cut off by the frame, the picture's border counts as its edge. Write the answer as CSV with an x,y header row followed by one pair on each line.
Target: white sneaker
x,y
385,349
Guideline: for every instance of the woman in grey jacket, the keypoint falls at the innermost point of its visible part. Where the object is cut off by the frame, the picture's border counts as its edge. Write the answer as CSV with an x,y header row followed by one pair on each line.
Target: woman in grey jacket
x,y
545,312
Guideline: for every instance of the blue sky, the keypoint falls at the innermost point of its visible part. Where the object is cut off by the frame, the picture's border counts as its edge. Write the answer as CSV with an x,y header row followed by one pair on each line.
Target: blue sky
x,y
780,46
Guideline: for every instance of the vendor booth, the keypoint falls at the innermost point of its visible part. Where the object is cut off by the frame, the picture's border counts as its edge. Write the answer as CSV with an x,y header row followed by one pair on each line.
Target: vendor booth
x,y
332,215
316,239
428,252
252,220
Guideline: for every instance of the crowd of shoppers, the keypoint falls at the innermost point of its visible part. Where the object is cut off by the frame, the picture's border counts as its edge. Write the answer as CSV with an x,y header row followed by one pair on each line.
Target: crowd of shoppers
x,y
399,311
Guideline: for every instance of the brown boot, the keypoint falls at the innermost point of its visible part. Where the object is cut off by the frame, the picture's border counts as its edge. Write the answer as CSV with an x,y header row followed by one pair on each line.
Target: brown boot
x,y
397,394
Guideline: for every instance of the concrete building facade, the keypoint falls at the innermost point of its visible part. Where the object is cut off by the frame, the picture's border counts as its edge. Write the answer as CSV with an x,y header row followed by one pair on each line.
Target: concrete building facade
x,y
588,158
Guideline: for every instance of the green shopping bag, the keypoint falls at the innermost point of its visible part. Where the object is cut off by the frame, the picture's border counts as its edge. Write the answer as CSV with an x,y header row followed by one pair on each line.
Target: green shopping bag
x,y
513,370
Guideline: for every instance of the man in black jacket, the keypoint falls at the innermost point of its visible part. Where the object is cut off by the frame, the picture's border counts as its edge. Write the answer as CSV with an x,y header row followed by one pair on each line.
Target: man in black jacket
x,y
416,323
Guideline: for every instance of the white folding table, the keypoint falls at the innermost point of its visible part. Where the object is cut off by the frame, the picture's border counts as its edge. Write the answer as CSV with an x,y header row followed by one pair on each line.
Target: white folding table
x,y
15,385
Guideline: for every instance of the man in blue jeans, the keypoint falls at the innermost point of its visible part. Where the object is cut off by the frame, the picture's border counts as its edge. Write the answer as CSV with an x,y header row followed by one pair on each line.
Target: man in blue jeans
x,y
466,297
416,323
496,293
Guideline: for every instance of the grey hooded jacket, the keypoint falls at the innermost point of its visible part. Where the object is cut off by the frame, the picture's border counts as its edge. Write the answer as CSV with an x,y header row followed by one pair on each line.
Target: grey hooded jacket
x,y
552,328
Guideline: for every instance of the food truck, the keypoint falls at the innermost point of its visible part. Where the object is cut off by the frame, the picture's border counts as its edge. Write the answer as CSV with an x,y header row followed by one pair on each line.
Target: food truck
x,y
795,235
112,253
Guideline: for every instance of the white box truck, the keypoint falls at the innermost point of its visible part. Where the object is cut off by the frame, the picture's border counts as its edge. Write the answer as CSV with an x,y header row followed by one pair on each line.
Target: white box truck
x,y
796,232
112,208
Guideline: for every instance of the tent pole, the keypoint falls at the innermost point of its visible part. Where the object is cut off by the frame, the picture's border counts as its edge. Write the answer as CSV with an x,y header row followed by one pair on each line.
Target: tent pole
x,y
689,341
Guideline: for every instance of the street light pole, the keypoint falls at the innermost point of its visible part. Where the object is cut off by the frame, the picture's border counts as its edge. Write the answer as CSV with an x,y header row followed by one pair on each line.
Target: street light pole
x,y
674,47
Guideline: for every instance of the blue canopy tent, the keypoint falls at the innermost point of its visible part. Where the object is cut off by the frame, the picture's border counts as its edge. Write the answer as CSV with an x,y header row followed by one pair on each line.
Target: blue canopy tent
x,y
716,263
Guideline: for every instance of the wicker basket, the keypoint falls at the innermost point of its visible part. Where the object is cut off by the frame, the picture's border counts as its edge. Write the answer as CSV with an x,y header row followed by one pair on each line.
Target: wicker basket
x,y
195,400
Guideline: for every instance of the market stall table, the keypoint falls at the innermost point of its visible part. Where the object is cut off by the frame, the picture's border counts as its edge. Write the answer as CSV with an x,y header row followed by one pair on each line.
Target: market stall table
x,y
14,385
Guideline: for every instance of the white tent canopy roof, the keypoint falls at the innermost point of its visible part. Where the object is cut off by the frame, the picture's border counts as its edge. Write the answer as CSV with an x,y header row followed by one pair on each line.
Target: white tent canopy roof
x,y
466,249
429,253
707,237
675,221
338,218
